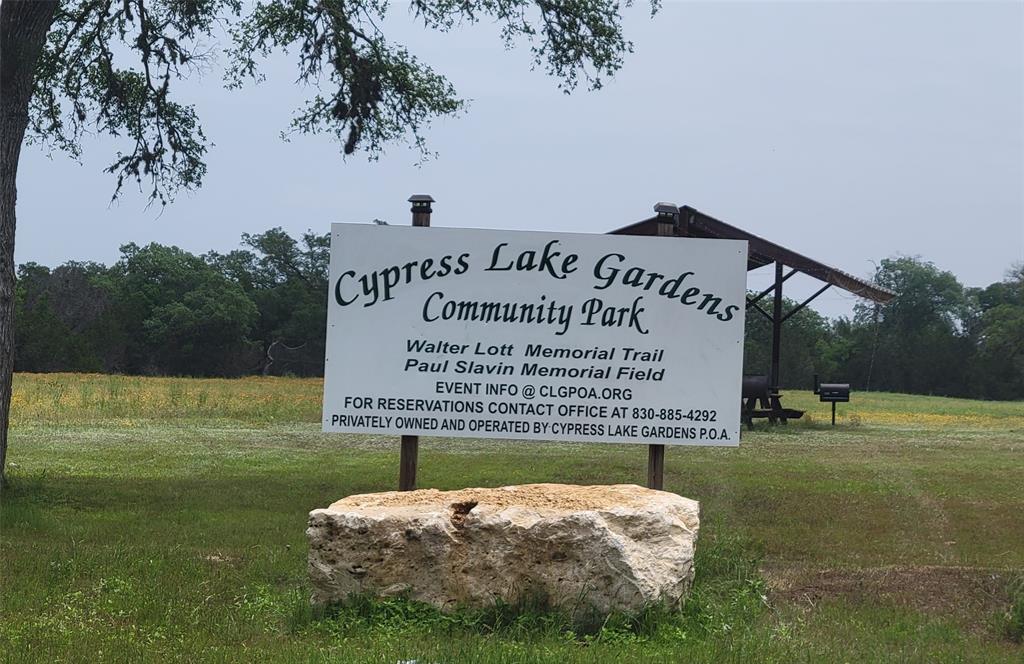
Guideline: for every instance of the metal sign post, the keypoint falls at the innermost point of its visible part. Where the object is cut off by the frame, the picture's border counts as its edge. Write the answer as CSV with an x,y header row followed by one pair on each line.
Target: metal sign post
x,y
668,222
421,210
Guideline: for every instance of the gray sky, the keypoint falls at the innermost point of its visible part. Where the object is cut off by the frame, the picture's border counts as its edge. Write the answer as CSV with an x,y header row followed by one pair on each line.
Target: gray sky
x,y
848,132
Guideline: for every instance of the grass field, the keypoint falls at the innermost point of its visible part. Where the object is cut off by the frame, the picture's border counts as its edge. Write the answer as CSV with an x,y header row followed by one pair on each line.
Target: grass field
x,y
154,519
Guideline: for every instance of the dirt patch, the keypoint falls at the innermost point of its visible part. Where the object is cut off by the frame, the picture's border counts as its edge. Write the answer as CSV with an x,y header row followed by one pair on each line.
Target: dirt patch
x,y
971,595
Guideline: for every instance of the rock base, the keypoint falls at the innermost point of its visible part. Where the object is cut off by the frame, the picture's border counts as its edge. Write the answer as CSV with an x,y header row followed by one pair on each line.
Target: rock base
x,y
591,548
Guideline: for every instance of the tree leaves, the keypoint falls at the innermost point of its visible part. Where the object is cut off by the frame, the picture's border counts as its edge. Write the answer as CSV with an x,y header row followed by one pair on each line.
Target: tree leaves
x,y
109,67
81,89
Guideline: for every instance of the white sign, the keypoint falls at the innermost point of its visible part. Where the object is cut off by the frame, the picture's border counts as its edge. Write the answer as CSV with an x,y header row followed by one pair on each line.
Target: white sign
x,y
548,336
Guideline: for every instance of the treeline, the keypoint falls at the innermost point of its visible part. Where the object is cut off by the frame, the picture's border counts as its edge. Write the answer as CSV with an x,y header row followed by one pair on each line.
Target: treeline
x,y
935,337
164,311
262,310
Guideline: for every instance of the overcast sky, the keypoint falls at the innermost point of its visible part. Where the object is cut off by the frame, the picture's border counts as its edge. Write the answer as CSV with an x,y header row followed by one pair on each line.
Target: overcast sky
x,y
848,132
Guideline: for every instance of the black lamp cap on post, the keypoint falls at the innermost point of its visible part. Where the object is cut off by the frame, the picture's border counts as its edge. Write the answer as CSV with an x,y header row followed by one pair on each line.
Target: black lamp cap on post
x,y
421,202
667,213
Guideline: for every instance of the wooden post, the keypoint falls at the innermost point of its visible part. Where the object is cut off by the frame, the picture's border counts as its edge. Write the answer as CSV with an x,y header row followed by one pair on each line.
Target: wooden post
x,y
776,328
777,414
411,444
407,463
668,223
655,467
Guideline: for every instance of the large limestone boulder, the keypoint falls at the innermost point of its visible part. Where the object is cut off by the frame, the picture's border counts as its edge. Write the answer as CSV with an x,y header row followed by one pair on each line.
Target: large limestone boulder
x,y
596,548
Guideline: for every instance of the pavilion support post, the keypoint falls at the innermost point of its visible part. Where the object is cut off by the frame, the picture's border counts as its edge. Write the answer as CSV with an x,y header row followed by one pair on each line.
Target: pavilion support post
x,y
776,327
668,225
421,209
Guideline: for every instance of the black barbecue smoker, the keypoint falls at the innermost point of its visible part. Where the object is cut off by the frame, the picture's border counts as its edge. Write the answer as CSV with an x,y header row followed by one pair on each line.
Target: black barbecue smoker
x,y
832,393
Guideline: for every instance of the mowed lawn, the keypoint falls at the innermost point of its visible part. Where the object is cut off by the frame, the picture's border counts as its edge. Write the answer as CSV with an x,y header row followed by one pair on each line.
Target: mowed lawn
x,y
153,519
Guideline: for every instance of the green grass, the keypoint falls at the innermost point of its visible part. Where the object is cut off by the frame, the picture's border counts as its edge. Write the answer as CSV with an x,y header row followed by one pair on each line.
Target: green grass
x,y
163,519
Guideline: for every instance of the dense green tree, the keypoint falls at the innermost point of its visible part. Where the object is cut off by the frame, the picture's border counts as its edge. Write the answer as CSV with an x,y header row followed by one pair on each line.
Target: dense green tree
x,y
1008,291
998,372
203,333
287,280
917,341
64,319
179,314
847,355
69,68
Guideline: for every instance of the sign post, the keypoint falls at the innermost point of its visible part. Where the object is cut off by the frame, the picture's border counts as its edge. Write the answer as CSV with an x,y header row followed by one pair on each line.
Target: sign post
x,y
668,221
421,210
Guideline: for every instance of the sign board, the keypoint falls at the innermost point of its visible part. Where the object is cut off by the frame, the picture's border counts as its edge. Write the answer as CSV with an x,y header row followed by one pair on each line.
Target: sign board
x,y
530,335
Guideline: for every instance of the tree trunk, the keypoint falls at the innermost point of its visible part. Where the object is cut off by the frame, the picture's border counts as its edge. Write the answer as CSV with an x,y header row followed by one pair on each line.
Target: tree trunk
x,y
23,28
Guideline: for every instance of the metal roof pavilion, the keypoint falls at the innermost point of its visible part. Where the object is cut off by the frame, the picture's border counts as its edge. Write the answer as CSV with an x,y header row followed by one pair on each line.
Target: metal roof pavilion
x,y
694,223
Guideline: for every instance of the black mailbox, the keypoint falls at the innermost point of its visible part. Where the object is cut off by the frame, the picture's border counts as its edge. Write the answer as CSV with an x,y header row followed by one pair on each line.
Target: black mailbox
x,y
832,393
